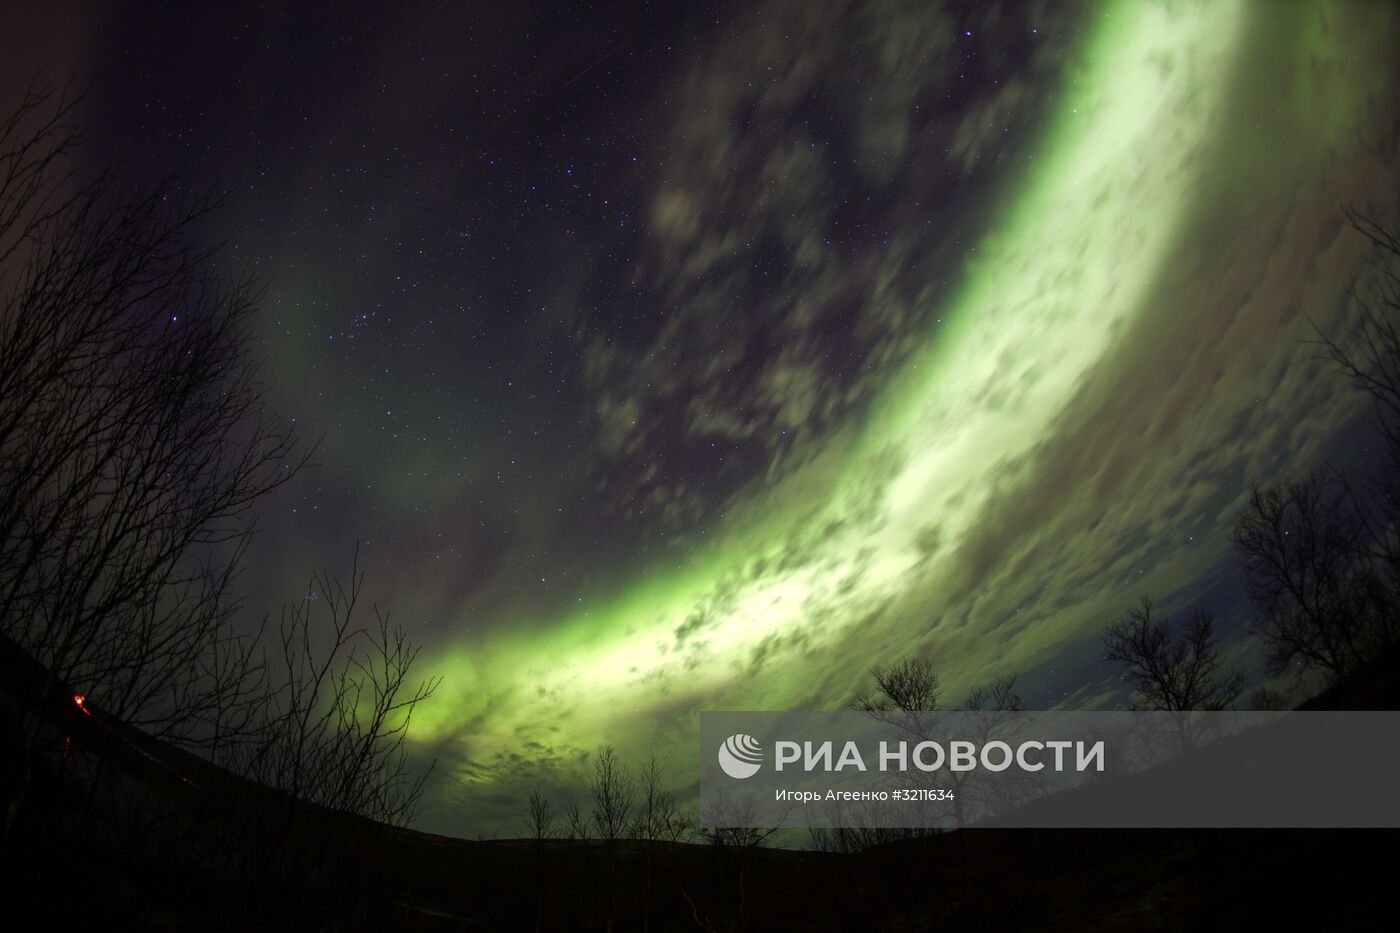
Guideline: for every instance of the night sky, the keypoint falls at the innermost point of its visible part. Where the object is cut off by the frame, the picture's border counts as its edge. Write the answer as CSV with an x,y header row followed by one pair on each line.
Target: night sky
x,y
690,356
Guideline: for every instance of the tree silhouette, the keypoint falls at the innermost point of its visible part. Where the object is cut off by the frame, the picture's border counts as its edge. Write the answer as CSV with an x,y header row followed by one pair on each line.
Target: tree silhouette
x,y
1369,356
903,691
1321,557
1171,667
134,440
541,816
331,731
328,740
1305,550
659,817
908,686
613,791
575,823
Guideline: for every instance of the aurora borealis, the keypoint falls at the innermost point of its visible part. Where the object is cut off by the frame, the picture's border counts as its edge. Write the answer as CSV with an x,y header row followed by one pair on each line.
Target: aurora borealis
x,y
670,359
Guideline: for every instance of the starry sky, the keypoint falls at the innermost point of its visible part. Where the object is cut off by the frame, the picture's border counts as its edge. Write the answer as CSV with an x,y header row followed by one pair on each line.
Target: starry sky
x,y
682,356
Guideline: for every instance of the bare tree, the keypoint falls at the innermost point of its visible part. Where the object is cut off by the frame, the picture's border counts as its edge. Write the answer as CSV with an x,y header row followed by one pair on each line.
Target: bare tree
x,y
735,814
1173,668
1369,356
328,756
541,828
1267,699
909,686
1321,557
912,686
903,691
333,727
1306,555
997,697
659,817
613,791
994,705
575,823
541,816
134,439
736,835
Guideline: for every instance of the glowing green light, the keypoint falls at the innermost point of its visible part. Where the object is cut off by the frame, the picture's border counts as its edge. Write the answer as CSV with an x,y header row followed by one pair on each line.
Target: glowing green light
x,y
1070,264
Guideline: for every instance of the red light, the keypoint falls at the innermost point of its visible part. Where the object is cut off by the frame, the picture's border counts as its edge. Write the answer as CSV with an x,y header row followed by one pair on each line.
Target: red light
x,y
79,699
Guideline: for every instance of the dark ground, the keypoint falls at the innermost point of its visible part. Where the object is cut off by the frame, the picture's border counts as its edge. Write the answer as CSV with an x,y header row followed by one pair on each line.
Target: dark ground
x,y
192,847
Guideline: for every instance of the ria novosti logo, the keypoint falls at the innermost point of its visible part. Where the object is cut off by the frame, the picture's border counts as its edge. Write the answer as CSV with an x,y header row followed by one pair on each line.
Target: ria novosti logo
x,y
740,756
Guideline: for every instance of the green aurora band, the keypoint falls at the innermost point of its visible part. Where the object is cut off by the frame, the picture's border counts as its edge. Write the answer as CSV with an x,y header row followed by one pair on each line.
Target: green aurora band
x,y
804,568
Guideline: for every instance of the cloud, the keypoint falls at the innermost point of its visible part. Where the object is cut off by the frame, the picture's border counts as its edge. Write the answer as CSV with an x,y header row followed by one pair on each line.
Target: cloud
x,y
791,234
1135,487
